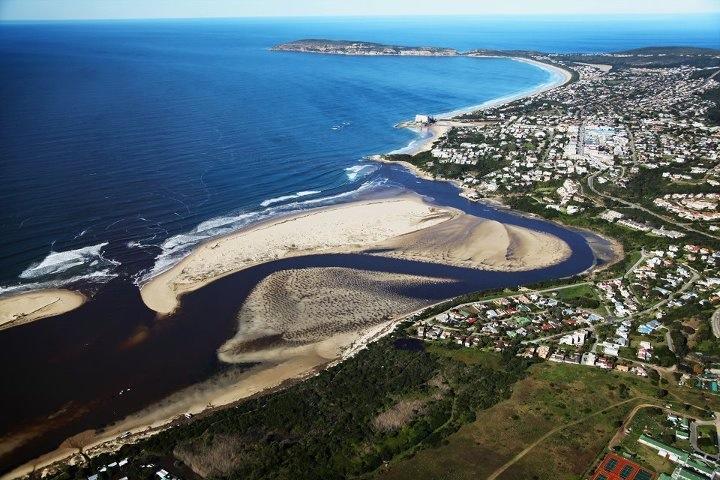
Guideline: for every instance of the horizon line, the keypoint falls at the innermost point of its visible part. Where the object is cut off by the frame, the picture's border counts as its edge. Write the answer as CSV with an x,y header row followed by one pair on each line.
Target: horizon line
x,y
357,16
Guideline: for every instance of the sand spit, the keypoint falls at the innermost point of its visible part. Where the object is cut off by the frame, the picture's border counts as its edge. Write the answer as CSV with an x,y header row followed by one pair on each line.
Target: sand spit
x,y
340,228
27,307
405,226
479,243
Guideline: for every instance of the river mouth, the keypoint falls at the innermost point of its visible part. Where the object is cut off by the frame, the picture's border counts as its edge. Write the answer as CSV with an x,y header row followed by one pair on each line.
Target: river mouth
x,y
112,357
79,372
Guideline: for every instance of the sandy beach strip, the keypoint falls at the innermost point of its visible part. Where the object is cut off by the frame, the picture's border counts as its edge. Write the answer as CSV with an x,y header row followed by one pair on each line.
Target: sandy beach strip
x,y
561,76
406,226
428,136
28,307
340,228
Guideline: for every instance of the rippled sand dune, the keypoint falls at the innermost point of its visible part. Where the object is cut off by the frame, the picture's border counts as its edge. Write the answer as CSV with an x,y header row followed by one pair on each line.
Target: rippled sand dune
x,y
317,311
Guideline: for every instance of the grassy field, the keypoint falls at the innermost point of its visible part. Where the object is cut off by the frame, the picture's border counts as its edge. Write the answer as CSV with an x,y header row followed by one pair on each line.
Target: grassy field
x,y
552,395
707,439
579,291
468,356
582,408
653,422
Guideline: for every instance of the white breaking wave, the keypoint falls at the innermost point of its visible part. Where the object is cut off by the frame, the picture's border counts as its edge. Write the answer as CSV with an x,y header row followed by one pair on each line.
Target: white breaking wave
x,y
271,201
177,247
101,276
360,171
62,262
63,268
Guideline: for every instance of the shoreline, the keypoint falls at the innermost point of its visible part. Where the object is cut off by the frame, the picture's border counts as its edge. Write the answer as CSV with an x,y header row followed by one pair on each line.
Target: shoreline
x,y
394,224
277,238
129,430
562,76
25,307
272,380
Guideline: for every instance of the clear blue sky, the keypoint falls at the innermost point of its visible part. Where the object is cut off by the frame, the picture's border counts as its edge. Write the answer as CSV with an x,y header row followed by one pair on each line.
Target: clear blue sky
x,y
118,9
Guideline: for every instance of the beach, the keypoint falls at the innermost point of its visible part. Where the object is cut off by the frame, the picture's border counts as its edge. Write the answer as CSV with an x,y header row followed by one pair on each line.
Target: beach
x,y
293,324
560,77
28,307
339,228
386,224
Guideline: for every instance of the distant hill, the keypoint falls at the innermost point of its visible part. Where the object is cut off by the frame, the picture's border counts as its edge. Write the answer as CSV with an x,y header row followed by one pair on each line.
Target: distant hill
x,y
671,51
348,47
646,57
649,57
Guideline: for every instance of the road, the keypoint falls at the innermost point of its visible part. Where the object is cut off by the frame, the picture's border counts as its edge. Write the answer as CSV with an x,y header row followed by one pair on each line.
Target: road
x,y
671,221
669,340
694,438
715,322
676,293
643,257
712,76
694,423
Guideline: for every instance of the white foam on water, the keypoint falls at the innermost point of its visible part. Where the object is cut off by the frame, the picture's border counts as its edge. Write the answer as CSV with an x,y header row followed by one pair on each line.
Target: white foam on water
x,y
178,246
64,268
271,201
60,262
100,276
359,171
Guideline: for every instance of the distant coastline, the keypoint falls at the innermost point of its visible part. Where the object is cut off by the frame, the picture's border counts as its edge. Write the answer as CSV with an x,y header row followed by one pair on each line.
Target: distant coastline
x,y
560,76
532,250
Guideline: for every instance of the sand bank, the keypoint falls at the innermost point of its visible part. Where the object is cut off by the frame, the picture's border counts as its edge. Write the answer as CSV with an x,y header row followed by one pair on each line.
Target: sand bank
x,y
27,307
406,226
479,243
340,228
322,311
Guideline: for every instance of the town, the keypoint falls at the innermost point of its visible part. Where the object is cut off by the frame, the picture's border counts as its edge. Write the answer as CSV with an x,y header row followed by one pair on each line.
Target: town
x,y
629,153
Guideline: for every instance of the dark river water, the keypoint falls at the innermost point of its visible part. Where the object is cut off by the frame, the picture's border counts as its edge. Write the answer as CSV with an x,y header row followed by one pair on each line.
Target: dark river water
x,y
66,372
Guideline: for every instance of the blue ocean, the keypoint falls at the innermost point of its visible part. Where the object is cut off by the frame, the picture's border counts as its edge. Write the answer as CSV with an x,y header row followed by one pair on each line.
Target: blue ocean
x,y
123,144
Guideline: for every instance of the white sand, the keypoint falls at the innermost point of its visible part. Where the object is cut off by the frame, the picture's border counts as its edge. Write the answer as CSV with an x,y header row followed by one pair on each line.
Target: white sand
x,y
345,227
27,307
479,243
560,78
406,225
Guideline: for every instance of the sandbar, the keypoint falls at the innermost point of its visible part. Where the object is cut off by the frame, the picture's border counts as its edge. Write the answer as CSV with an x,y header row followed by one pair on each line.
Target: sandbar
x,y
339,228
31,306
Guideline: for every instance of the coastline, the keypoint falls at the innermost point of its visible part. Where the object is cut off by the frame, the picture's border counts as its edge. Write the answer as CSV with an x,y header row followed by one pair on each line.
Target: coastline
x,y
561,77
283,373
25,307
396,226
338,228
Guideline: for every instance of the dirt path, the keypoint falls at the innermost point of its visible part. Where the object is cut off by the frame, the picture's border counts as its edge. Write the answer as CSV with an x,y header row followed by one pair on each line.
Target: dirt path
x,y
552,432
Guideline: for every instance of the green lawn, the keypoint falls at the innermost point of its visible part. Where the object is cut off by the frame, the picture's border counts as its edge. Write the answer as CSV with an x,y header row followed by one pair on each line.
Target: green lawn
x,y
707,439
